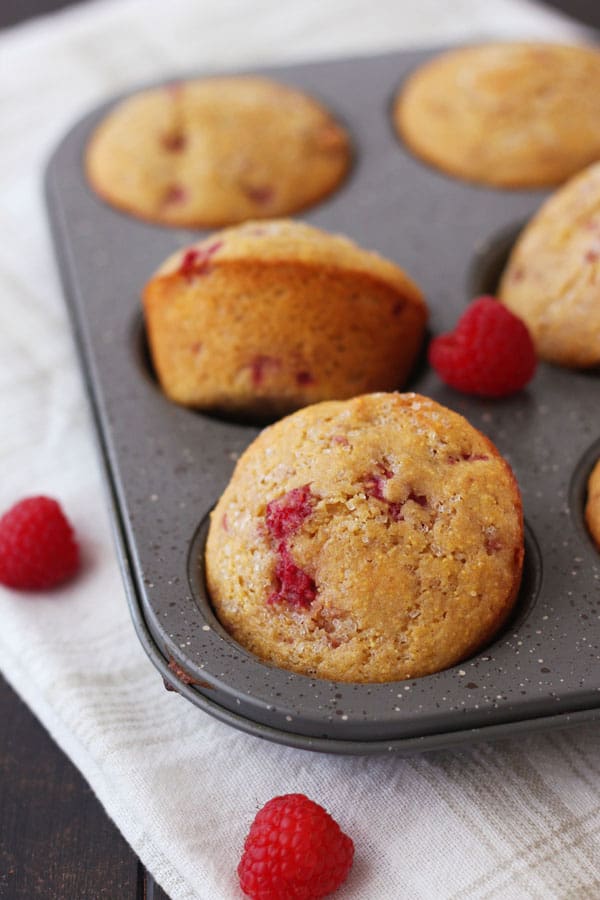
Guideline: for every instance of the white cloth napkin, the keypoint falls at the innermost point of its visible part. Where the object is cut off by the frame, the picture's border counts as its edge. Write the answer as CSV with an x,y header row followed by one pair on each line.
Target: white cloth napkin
x,y
513,820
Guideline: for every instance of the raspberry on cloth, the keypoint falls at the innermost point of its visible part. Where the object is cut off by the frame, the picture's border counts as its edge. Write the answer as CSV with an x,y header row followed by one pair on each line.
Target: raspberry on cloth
x,y
294,849
38,550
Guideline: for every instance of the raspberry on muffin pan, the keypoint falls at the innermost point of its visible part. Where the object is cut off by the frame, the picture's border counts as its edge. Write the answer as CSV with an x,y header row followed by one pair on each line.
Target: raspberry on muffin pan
x,y
368,540
490,352
217,151
263,318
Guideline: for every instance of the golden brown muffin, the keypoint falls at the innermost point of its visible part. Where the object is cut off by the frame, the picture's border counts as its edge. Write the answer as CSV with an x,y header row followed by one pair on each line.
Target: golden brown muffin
x,y
216,152
592,506
509,115
552,280
266,317
375,539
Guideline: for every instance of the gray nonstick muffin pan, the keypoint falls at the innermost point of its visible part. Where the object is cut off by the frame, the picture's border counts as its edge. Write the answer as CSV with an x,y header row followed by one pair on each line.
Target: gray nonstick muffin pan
x,y
166,466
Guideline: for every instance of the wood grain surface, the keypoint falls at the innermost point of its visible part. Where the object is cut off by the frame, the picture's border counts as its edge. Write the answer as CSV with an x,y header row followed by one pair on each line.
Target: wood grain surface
x,y
56,841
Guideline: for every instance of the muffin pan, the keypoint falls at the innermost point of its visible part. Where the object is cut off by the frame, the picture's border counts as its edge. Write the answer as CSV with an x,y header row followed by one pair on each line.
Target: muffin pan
x,y
166,465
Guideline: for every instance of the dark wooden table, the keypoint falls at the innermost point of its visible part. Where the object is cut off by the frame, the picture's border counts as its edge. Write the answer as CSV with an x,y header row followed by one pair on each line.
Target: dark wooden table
x,y
56,841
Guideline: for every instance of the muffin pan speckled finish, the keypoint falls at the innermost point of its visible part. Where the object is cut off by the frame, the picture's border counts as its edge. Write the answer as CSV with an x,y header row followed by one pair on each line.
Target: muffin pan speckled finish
x,y
166,466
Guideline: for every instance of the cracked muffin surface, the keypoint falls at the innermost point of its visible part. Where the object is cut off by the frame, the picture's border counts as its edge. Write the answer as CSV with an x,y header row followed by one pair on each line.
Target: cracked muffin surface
x,y
370,540
217,151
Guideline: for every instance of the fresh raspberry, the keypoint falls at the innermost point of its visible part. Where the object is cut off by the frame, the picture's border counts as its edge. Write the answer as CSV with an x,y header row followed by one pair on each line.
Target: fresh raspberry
x,y
490,352
294,851
37,545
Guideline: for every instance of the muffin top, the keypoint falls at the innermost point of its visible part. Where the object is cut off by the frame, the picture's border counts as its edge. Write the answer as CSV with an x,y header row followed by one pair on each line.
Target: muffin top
x,y
283,240
509,115
369,540
553,274
217,151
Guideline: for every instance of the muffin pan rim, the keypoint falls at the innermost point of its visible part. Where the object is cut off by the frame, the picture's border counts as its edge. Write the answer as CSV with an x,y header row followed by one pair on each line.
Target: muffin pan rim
x,y
399,746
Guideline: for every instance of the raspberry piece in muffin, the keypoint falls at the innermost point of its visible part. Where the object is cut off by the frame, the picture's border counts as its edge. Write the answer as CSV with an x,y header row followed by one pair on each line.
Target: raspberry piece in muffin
x,y
286,514
284,518
293,585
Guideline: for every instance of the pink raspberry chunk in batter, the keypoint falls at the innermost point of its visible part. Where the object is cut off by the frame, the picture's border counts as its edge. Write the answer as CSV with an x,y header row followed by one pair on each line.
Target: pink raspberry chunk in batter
x,y
259,366
374,481
173,143
373,485
196,261
260,195
304,378
468,457
286,514
175,194
294,586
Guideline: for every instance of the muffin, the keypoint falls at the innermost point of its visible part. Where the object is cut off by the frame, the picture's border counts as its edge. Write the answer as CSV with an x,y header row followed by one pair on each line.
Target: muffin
x,y
592,506
263,318
370,540
216,152
552,280
508,115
